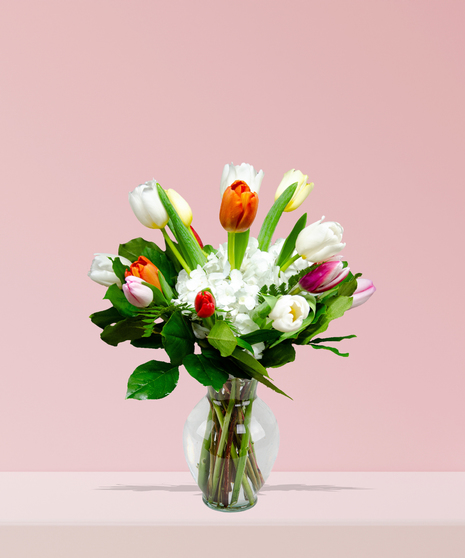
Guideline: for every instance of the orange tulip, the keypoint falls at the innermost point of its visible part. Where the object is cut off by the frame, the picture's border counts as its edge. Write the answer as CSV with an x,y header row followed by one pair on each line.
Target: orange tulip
x,y
238,207
145,269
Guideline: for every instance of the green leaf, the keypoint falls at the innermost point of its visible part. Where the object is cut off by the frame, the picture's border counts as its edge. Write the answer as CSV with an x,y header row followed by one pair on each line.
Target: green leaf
x,y
296,333
244,344
255,371
334,308
190,246
278,356
167,290
261,336
125,330
249,361
273,216
178,338
135,247
208,249
115,295
152,380
262,311
162,262
153,342
332,339
119,268
332,349
222,338
202,369
106,317
228,365
289,244
158,297
240,244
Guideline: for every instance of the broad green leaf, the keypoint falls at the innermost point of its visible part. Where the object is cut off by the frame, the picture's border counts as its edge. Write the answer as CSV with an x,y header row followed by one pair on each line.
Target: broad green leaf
x,y
334,308
115,295
153,342
208,249
332,339
262,311
106,317
203,370
119,268
332,349
261,336
126,330
296,333
178,338
190,247
249,361
228,365
163,263
173,259
222,338
273,216
278,356
135,247
152,380
289,244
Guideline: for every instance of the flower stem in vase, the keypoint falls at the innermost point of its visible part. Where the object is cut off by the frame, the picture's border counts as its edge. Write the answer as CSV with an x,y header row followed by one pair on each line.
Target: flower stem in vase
x,y
243,454
204,461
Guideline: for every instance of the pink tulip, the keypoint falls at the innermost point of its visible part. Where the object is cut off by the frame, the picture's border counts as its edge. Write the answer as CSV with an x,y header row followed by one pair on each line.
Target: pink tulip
x,y
364,290
137,294
324,277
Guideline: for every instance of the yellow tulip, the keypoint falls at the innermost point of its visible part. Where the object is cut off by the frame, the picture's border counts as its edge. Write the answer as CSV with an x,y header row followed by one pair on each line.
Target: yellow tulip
x,y
302,191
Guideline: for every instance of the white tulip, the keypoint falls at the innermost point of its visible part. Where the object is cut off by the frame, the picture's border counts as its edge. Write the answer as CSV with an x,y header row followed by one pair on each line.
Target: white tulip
x,y
243,172
147,206
181,206
320,241
289,313
302,191
101,270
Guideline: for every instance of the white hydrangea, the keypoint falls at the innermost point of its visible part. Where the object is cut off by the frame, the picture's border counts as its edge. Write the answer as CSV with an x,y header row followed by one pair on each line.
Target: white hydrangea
x,y
236,291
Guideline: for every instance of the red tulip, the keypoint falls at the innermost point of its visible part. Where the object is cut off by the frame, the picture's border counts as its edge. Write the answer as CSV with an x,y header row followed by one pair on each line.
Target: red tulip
x,y
204,304
238,207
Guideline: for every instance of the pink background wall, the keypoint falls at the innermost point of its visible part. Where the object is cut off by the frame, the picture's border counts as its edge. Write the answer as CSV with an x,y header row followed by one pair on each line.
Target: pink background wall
x,y
364,96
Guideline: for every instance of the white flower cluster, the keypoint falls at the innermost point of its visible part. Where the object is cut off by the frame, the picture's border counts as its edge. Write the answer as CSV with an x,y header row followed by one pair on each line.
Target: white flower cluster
x,y
236,291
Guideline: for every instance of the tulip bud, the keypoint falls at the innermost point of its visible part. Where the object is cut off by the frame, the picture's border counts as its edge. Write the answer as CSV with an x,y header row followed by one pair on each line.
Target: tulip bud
x,y
364,290
197,237
181,206
238,207
204,304
320,241
147,206
289,313
101,270
137,294
245,173
144,269
302,191
324,277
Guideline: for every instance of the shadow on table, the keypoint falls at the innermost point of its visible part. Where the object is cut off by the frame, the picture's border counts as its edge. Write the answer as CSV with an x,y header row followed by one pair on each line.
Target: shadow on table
x,y
266,488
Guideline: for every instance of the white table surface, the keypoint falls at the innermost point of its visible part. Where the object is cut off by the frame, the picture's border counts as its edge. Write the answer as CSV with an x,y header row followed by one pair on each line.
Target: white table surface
x,y
287,499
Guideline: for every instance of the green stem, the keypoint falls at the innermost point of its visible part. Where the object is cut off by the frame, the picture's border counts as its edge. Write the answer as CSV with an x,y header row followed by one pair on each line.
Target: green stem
x,y
289,262
224,433
175,251
242,453
204,461
232,249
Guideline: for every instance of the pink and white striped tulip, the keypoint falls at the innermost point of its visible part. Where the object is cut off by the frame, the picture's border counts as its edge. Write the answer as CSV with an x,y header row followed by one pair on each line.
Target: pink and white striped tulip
x,y
137,294
324,277
364,290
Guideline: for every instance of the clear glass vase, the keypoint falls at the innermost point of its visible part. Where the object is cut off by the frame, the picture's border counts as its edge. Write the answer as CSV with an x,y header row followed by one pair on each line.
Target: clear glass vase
x,y
231,441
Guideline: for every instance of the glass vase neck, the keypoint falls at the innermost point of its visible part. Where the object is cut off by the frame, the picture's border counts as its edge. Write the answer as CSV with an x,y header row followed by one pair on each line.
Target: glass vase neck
x,y
238,388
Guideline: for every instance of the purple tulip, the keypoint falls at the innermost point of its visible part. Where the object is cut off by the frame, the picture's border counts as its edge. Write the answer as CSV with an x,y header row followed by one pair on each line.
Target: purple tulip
x,y
364,290
324,277
137,294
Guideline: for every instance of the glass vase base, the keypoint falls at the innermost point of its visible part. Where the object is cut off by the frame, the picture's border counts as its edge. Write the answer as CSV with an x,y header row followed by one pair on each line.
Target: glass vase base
x,y
229,509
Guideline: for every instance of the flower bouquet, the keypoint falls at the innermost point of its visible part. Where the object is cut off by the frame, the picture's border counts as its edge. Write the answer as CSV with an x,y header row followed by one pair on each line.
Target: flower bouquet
x,y
227,314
